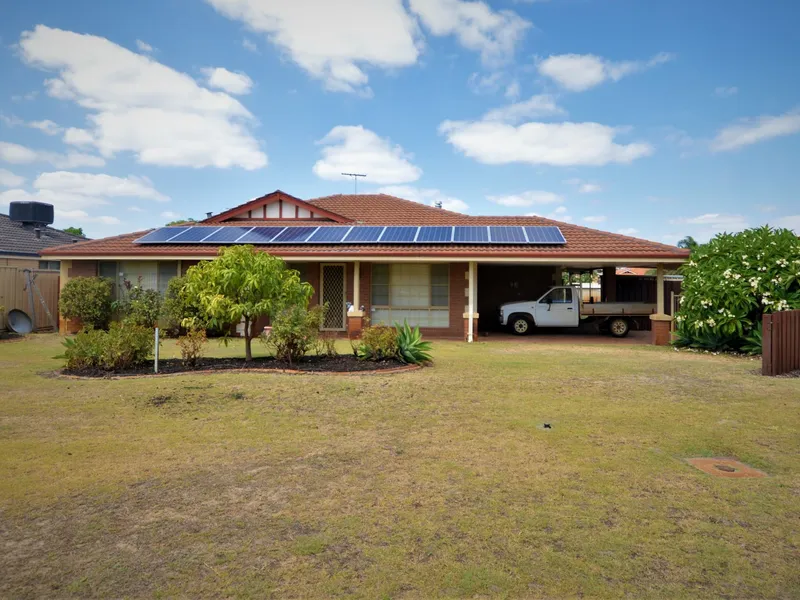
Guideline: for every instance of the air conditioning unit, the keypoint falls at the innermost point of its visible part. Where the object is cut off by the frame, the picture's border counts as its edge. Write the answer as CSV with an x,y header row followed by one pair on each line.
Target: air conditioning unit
x,y
31,212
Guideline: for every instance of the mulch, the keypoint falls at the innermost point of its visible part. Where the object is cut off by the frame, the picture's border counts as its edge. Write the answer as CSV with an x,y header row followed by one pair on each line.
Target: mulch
x,y
340,364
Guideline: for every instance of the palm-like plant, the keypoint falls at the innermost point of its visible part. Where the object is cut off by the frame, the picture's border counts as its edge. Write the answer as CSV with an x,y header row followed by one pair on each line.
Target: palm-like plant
x,y
410,347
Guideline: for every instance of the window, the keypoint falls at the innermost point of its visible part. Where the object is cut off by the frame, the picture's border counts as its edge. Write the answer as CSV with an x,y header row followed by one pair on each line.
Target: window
x,y
50,265
167,269
417,293
558,296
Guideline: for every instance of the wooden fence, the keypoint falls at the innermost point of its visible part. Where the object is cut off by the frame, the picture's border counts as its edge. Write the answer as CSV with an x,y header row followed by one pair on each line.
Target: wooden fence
x,y
780,352
15,293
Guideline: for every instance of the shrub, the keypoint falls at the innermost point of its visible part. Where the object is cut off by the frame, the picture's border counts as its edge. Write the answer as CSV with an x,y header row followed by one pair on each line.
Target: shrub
x,y
378,342
326,345
410,347
731,282
192,345
295,331
123,346
178,309
87,299
138,305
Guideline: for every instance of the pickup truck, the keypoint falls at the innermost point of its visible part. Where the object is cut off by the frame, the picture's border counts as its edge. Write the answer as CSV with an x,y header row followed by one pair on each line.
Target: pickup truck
x,y
561,306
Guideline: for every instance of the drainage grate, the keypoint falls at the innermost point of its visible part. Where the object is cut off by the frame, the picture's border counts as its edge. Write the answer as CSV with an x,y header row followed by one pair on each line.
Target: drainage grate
x,y
725,467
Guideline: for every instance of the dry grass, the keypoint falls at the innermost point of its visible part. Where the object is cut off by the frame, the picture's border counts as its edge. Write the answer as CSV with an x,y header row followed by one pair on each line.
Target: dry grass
x,y
435,483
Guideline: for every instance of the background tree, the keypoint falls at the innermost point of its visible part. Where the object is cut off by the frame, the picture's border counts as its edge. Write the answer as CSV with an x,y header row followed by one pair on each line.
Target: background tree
x,y
689,243
74,231
243,284
180,222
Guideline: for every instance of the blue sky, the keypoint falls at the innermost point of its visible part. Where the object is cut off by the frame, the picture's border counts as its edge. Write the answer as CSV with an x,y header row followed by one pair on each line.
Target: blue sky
x,y
656,119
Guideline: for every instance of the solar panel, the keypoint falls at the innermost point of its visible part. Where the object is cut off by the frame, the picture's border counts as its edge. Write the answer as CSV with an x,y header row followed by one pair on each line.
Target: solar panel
x,y
329,235
507,235
434,234
364,235
226,235
294,235
260,235
193,235
160,235
471,235
394,235
545,235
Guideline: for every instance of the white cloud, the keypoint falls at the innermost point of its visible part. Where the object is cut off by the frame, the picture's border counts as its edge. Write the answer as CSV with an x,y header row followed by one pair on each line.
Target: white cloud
x,y
789,222
139,105
99,185
559,214
579,72
144,47
584,187
477,27
222,79
9,179
427,196
337,40
22,155
557,144
250,46
759,129
354,149
539,106
708,225
726,92
513,91
595,219
168,214
78,137
488,83
135,209
46,126
628,231
84,197
527,198
333,40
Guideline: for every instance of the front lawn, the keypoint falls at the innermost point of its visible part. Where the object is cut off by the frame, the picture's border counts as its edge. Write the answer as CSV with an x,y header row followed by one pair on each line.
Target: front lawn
x,y
440,482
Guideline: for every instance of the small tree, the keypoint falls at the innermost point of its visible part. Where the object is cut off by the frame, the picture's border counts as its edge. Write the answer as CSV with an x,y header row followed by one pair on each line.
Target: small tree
x,y
87,299
243,283
688,243
74,230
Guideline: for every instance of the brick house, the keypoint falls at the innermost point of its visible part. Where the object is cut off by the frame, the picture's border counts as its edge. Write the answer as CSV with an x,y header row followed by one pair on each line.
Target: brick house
x,y
383,258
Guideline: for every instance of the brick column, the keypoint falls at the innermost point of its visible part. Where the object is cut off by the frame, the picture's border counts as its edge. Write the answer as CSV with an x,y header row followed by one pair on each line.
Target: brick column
x,y
660,329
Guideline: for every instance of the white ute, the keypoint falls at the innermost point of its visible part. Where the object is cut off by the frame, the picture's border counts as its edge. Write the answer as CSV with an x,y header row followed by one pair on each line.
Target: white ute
x,y
561,307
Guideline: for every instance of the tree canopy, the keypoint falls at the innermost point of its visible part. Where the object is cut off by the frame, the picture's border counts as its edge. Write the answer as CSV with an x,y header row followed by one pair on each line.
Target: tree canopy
x,y
688,243
242,284
180,222
74,231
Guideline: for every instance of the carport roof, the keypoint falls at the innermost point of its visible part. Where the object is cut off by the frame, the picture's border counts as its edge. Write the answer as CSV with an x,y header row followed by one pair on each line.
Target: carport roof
x,y
381,209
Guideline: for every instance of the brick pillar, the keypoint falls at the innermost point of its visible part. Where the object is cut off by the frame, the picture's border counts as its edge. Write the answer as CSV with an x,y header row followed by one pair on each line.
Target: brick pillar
x,y
474,327
660,329
609,284
355,323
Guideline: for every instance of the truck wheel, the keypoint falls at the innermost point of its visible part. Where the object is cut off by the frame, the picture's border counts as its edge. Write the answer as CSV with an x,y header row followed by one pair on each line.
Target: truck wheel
x,y
619,327
520,325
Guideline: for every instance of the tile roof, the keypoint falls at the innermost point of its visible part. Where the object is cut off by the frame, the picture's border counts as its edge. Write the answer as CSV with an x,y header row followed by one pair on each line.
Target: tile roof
x,y
380,209
20,238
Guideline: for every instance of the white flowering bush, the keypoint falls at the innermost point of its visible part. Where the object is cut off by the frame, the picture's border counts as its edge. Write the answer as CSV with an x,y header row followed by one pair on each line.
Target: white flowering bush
x,y
731,282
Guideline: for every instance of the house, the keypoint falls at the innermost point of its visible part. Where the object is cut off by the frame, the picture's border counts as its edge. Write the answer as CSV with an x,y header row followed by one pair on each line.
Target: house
x,y
26,231
382,258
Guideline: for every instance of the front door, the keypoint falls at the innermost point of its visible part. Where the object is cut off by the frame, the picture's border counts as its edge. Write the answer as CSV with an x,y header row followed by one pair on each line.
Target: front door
x,y
332,293
558,308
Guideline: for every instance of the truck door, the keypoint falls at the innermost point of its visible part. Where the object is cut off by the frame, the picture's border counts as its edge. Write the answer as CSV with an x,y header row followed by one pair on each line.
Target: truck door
x,y
558,308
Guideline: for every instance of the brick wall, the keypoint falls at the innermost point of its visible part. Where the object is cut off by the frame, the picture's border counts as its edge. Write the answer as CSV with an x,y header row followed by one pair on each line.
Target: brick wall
x,y
82,268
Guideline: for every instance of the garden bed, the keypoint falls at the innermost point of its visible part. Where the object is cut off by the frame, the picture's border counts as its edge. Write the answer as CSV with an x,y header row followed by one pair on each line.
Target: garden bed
x,y
342,363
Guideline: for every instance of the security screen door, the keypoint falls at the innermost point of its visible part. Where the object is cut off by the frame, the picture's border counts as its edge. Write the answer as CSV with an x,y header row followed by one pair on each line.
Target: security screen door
x,y
333,294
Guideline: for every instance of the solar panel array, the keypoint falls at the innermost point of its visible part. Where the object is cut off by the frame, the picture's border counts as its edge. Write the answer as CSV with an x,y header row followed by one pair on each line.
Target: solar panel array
x,y
360,234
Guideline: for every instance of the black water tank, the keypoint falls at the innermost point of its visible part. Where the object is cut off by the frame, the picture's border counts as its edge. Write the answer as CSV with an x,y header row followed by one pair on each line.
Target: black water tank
x,y
31,212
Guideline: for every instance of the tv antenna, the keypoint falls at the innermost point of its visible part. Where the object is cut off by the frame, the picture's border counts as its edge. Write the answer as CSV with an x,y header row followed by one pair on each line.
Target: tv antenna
x,y
355,177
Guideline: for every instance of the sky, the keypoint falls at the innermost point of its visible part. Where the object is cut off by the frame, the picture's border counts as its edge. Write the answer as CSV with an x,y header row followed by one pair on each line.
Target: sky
x,y
655,119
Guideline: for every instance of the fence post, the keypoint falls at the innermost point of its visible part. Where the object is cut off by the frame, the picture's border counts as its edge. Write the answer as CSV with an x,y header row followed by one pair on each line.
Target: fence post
x,y
155,363
766,345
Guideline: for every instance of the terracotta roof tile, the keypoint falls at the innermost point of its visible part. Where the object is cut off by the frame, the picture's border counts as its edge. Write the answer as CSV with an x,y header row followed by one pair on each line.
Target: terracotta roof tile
x,y
380,209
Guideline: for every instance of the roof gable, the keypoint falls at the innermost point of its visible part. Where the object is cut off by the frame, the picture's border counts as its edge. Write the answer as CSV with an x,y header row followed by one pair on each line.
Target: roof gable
x,y
277,206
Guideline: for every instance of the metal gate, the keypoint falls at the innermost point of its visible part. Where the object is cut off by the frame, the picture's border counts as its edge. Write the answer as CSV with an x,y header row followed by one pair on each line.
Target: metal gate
x,y
332,293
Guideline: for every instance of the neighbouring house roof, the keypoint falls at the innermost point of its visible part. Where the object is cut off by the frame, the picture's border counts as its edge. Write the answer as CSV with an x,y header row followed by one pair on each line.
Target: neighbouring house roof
x,y
633,271
19,239
381,209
